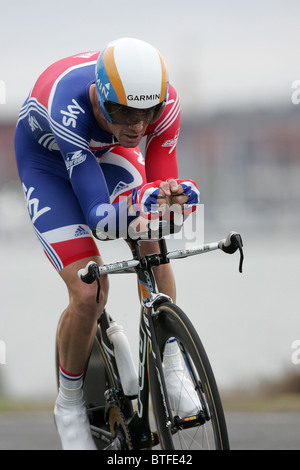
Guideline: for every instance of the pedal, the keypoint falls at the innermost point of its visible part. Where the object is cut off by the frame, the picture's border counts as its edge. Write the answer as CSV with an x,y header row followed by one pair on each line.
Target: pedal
x,y
190,421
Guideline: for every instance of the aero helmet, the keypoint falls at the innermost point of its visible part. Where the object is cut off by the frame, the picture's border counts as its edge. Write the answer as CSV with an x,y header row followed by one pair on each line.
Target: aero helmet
x,y
131,78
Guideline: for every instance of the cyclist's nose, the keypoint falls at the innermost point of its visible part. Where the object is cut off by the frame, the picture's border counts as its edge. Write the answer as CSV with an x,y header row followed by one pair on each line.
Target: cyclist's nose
x,y
137,126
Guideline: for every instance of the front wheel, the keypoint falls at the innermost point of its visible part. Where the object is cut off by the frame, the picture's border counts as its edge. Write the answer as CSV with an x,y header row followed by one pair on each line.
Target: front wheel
x,y
196,419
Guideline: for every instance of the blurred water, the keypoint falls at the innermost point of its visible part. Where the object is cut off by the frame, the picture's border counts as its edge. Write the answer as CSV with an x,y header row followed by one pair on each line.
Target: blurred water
x,y
247,322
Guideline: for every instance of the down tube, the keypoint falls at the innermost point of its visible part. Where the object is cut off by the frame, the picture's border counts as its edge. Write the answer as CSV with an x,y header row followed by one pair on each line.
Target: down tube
x,y
141,434
143,390
146,287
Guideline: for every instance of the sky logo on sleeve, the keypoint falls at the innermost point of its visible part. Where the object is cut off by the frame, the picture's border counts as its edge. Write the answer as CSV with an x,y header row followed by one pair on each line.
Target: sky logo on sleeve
x,y
70,116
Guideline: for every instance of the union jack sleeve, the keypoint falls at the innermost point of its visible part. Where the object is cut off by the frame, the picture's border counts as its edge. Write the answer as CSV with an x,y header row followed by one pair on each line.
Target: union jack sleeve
x,y
144,200
190,189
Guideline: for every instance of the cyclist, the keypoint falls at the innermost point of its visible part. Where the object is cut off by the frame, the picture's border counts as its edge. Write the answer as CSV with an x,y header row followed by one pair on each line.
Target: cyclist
x,y
83,174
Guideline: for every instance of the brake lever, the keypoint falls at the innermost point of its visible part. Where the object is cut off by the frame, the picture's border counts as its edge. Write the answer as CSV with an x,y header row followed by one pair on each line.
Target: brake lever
x,y
231,244
240,247
94,272
89,274
98,288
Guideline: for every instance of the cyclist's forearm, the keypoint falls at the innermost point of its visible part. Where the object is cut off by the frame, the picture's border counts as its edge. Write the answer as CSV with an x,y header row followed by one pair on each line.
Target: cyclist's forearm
x,y
110,220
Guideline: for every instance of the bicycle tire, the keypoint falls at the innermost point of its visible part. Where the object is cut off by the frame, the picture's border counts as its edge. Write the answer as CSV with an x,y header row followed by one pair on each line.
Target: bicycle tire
x,y
171,321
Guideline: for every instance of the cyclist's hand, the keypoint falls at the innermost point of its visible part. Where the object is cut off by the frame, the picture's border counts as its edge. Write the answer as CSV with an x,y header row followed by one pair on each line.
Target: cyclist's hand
x,y
172,193
144,201
180,192
153,198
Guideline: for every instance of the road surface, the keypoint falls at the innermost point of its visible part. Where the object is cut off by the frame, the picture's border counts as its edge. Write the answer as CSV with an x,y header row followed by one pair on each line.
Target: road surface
x,y
35,430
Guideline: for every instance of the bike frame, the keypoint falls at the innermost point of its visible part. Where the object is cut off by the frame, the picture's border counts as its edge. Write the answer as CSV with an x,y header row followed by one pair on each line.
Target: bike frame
x,y
150,299
138,424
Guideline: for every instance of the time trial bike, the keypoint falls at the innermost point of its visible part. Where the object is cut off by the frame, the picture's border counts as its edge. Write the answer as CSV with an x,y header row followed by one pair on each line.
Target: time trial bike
x,y
123,421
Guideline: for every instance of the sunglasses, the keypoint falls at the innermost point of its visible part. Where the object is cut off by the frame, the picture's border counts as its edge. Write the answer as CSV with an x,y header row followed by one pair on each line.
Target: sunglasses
x,y
121,114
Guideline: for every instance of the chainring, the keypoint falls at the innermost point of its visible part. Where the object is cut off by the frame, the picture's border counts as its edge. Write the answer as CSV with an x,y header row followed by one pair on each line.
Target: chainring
x,y
118,428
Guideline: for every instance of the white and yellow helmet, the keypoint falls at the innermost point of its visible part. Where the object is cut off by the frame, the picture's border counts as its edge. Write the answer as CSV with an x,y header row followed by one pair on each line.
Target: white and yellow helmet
x,y
131,77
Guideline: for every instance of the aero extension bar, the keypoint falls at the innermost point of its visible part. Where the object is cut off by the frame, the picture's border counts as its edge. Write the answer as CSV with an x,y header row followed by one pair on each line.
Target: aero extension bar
x,y
230,244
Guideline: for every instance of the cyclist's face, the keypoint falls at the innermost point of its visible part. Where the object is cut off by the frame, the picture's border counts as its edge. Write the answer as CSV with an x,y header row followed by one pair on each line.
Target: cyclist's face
x,y
128,124
129,136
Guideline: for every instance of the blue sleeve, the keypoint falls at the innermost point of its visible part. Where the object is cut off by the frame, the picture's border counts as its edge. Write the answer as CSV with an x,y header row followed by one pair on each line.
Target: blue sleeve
x,y
70,123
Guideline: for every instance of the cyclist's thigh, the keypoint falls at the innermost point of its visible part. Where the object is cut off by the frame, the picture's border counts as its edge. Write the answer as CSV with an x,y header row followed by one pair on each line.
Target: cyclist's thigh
x,y
54,210
124,170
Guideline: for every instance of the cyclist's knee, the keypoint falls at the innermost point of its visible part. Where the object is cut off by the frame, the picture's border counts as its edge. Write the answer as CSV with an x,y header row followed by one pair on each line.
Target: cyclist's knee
x,y
83,296
83,305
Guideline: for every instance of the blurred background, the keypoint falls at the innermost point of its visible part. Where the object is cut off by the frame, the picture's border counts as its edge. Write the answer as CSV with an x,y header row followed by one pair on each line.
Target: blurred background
x,y
234,65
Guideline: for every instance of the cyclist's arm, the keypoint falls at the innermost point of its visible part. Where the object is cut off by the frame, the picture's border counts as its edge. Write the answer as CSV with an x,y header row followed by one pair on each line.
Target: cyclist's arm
x,y
161,154
161,143
86,175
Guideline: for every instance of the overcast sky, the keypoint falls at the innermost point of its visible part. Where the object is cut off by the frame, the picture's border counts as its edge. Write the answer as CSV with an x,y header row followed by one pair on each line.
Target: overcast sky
x,y
219,53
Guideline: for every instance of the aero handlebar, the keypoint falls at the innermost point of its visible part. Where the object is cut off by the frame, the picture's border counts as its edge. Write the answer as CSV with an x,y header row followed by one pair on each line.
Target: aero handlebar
x,y
230,244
